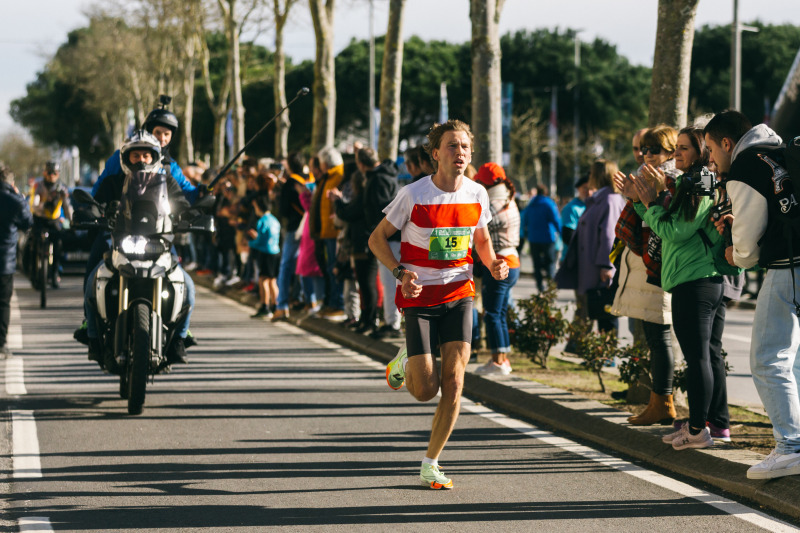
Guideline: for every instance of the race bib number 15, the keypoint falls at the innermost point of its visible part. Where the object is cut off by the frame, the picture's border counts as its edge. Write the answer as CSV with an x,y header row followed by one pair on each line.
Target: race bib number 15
x,y
449,243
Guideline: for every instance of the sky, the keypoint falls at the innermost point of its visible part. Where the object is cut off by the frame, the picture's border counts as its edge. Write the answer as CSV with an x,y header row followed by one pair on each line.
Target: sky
x,y
31,31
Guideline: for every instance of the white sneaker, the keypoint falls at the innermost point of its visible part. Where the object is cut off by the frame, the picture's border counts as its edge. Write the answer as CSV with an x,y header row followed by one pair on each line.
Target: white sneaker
x,y
493,368
233,281
669,437
776,465
190,267
687,440
219,281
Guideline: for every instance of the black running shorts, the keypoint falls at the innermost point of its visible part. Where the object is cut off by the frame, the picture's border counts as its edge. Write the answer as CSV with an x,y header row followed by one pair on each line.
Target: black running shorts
x,y
429,327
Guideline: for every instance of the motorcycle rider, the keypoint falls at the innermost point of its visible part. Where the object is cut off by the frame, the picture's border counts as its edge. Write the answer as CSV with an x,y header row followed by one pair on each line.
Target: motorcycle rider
x,y
163,124
141,152
50,206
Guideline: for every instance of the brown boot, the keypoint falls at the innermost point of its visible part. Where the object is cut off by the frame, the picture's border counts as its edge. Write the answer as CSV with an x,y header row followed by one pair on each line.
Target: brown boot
x,y
660,410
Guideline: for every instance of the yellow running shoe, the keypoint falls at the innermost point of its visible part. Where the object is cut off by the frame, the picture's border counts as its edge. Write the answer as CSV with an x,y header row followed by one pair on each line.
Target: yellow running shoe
x,y
395,373
433,477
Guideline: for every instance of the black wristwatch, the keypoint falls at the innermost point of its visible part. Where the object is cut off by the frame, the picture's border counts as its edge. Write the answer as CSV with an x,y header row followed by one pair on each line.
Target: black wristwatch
x,y
651,204
399,271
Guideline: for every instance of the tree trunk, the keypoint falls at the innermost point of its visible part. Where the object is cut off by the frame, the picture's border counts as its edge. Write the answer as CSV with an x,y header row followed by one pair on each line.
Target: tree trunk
x,y
669,92
324,116
233,29
282,124
218,104
391,80
189,49
486,105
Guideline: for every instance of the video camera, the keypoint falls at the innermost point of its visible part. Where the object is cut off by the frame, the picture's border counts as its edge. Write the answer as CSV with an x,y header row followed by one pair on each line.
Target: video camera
x,y
704,182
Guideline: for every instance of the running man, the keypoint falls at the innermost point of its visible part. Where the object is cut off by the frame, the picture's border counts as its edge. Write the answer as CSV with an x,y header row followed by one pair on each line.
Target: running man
x,y
438,216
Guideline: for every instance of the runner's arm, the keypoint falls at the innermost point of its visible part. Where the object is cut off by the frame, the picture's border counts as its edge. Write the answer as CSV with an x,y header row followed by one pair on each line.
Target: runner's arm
x,y
379,244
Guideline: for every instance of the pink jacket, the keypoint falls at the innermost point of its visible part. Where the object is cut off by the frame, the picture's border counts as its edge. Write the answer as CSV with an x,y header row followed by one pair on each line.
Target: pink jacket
x,y
306,260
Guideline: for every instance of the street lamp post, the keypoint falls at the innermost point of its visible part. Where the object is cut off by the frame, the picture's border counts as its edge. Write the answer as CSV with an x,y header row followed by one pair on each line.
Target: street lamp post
x,y
576,167
372,142
736,58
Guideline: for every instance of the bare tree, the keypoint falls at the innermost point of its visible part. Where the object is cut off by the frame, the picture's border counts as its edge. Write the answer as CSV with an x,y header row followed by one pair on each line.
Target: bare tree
x,y
486,104
324,116
669,92
233,29
391,79
281,14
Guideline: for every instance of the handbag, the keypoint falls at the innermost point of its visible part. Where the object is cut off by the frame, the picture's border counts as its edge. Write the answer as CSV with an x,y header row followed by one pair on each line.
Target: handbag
x,y
597,300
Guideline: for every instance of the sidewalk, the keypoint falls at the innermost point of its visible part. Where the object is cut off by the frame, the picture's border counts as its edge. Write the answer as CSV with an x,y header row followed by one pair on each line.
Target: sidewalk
x,y
721,467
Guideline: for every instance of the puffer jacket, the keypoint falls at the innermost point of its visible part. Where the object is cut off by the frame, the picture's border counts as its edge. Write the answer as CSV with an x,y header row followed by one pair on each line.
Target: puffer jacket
x,y
14,216
327,230
635,297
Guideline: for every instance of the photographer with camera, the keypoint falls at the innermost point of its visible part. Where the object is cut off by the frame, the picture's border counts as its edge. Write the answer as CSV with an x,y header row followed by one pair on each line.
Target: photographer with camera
x,y
690,274
751,161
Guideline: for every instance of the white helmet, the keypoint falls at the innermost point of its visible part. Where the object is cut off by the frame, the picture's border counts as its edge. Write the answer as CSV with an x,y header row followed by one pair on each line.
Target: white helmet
x,y
140,140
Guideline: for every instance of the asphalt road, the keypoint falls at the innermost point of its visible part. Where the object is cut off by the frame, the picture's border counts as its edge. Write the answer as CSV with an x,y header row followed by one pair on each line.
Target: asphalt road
x,y
270,427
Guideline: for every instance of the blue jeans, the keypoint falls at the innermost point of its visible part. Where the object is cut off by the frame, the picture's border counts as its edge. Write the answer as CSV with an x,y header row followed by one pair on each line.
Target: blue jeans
x,y
335,287
773,357
544,263
313,289
182,327
495,306
291,247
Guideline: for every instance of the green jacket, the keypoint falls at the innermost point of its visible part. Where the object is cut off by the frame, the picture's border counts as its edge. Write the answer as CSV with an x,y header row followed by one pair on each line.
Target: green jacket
x,y
684,255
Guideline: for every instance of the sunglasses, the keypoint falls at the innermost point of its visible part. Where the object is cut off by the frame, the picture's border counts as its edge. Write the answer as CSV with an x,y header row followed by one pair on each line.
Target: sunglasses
x,y
655,150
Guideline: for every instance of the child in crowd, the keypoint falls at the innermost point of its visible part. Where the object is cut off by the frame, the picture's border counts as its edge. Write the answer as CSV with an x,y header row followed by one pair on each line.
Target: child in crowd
x,y
265,243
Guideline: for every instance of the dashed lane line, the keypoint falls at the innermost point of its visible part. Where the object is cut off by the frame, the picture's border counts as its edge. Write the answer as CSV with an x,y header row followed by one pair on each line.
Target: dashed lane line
x,y
15,377
25,445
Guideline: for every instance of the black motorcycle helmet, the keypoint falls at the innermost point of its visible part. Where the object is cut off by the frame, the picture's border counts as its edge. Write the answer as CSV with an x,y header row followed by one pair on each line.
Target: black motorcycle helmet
x,y
51,167
161,116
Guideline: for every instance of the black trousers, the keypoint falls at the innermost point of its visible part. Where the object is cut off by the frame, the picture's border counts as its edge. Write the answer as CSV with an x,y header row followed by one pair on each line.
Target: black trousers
x,y
366,274
6,290
662,361
698,325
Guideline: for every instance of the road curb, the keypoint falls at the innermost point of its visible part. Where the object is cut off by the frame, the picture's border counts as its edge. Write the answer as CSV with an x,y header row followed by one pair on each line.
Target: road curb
x,y
721,467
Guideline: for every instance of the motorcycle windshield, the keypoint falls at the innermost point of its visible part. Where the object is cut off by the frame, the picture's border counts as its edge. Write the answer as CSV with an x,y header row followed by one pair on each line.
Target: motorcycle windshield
x,y
146,209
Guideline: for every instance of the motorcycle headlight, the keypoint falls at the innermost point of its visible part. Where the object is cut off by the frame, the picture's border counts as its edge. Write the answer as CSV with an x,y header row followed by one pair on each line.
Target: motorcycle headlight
x,y
138,245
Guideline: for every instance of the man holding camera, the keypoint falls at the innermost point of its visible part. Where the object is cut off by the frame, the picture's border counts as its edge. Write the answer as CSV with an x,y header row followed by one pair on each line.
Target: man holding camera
x,y
749,160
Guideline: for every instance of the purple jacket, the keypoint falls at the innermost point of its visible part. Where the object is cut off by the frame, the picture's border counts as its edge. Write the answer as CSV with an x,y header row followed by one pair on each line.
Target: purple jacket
x,y
596,237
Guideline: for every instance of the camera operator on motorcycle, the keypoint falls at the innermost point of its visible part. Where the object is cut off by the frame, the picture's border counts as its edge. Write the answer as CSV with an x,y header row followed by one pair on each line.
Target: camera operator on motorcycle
x,y
162,123
140,153
50,206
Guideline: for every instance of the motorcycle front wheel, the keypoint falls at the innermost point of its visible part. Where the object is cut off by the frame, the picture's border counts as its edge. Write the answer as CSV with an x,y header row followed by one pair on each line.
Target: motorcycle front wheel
x,y
139,361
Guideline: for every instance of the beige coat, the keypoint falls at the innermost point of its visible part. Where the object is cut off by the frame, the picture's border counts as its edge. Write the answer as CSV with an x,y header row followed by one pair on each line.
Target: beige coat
x,y
635,297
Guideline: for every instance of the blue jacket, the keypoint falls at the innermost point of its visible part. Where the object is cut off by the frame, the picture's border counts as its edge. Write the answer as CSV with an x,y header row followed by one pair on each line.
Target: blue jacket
x,y
14,215
269,235
572,212
114,166
542,221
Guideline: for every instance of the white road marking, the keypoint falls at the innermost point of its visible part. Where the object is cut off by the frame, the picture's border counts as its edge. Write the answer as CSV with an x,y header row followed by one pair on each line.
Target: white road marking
x,y
737,338
25,445
15,377
35,523
723,504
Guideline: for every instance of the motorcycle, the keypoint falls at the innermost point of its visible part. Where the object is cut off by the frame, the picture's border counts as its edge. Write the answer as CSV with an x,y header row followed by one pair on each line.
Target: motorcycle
x,y
138,290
